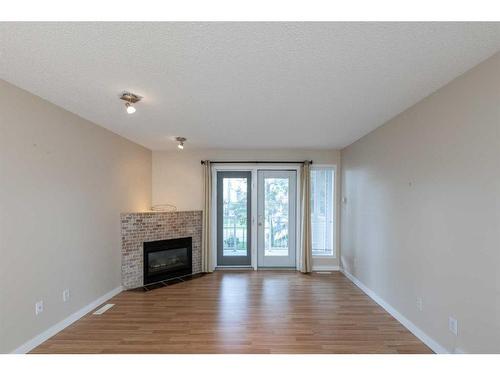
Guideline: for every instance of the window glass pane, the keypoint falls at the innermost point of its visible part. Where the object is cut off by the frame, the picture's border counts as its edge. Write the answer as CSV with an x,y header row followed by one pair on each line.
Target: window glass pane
x,y
276,191
322,211
234,217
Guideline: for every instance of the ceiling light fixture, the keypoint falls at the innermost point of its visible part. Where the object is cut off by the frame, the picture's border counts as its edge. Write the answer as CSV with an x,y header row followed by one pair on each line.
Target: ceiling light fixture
x,y
130,99
181,141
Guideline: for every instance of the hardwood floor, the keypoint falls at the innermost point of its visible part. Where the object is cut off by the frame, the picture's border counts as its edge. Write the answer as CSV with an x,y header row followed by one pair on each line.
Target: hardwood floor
x,y
241,312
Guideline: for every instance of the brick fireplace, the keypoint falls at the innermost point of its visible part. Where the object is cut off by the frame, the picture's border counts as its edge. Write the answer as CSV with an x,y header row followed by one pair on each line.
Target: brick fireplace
x,y
140,227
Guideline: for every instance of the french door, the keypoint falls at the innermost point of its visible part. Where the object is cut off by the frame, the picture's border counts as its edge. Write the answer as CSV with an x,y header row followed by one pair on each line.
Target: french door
x,y
233,218
276,218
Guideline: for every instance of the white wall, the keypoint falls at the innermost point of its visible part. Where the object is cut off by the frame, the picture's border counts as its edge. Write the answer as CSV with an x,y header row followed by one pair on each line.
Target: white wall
x,y
63,183
422,217
178,175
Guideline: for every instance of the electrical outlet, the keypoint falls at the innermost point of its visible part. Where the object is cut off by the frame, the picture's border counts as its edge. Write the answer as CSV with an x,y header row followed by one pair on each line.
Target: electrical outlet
x,y
453,325
65,295
38,307
420,304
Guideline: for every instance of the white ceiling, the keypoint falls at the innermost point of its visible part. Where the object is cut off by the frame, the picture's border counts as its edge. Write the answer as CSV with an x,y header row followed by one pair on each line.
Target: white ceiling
x,y
241,85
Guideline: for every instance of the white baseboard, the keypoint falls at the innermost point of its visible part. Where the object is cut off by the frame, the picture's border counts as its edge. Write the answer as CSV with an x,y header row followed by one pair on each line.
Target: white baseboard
x,y
56,328
426,339
326,268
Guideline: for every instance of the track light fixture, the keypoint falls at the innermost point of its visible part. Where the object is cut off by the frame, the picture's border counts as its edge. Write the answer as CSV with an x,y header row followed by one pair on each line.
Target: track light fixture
x,y
181,141
130,99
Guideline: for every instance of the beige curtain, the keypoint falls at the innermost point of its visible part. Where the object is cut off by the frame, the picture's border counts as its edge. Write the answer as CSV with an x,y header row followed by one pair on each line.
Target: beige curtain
x,y
305,220
206,264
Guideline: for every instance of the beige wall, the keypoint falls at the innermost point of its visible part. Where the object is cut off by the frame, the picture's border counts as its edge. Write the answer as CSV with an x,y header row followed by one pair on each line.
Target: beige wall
x,y
422,217
178,175
63,183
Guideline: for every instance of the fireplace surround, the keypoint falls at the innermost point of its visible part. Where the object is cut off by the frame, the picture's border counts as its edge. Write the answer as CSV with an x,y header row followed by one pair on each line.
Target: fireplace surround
x,y
167,259
138,228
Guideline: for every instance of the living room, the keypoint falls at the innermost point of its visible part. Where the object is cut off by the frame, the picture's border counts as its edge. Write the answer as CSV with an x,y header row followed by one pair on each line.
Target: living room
x,y
250,187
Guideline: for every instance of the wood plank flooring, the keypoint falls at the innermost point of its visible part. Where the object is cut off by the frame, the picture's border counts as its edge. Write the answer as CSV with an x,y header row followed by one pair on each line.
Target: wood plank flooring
x,y
241,312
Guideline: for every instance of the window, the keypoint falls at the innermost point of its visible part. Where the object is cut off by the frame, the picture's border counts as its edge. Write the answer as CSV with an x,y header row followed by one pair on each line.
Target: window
x,y
323,211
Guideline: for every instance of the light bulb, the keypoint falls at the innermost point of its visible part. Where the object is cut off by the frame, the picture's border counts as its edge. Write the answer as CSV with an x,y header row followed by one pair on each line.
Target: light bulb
x,y
181,141
130,108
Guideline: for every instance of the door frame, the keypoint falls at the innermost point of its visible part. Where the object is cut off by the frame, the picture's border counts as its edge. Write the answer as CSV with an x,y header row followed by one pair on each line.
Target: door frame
x,y
220,256
253,168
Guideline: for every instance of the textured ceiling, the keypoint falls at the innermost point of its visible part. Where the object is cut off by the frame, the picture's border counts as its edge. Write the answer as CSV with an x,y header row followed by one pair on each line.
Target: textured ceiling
x,y
241,85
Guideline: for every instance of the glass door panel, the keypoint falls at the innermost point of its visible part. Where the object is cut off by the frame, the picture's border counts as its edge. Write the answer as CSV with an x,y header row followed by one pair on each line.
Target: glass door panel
x,y
233,218
276,218
276,210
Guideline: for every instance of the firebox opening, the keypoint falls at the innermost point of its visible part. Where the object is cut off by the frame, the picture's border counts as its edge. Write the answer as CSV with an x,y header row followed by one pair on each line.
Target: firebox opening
x,y
167,259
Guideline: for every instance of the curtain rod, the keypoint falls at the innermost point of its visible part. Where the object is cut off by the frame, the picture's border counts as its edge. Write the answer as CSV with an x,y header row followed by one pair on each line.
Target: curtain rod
x,y
257,162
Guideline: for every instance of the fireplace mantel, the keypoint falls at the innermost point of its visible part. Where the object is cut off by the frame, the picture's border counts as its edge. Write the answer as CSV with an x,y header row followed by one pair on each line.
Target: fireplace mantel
x,y
140,227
